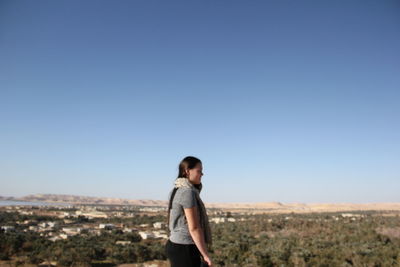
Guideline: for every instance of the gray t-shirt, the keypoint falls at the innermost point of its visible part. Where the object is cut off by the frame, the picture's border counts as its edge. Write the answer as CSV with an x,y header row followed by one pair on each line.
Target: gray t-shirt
x,y
179,231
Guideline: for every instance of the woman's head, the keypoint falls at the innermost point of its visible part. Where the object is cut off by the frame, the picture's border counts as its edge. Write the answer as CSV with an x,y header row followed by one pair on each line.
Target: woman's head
x,y
191,168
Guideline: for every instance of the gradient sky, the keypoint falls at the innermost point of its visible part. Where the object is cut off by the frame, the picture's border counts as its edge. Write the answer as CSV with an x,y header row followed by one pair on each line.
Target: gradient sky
x,y
290,101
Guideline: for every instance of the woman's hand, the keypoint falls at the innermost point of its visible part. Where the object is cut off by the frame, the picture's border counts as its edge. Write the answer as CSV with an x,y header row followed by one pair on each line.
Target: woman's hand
x,y
208,261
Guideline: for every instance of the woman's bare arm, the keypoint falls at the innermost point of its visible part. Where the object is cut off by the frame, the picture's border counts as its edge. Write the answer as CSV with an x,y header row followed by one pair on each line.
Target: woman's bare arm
x,y
195,229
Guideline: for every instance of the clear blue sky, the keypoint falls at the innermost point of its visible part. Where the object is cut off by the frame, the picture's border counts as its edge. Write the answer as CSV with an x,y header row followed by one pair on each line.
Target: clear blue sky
x,y
290,101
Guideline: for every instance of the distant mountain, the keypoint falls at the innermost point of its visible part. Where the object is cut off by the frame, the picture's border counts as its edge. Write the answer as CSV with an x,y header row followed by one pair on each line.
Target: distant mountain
x,y
7,198
256,207
277,207
75,199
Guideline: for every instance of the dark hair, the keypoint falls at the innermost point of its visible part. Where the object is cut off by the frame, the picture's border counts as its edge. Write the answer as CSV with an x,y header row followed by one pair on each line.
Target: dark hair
x,y
188,162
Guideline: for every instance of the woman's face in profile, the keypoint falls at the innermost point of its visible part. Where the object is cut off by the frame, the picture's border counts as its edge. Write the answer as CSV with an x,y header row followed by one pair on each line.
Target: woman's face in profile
x,y
196,173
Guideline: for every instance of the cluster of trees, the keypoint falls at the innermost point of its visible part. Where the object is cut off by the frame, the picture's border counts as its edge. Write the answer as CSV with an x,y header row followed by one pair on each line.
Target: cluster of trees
x,y
301,240
79,250
307,240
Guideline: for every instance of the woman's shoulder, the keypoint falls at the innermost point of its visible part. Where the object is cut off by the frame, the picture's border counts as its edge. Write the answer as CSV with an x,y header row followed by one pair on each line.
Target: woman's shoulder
x,y
184,193
185,190
186,197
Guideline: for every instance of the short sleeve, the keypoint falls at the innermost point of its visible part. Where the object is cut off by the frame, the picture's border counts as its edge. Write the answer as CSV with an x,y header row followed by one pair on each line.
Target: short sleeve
x,y
188,199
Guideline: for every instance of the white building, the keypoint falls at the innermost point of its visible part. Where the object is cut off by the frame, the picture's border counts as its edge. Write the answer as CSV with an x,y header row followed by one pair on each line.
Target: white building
x,y
218,219
66,214
107,226
91,214
47,224
158,225
71,230
33,228
63,236
55,238
7,228
160,234
351,215
146,235
151,209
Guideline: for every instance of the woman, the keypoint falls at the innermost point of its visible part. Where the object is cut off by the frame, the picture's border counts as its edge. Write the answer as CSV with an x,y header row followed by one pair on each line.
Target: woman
x,y
190,235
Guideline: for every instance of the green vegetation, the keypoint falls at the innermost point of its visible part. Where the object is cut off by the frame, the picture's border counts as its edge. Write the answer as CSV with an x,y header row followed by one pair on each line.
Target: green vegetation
x,y
307,240
319,239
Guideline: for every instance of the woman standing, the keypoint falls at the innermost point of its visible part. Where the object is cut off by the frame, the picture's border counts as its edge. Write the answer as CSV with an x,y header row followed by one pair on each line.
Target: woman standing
x,y
190,235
